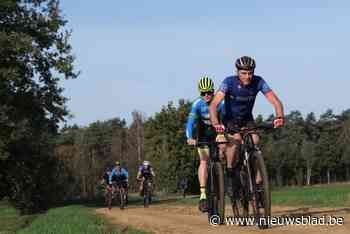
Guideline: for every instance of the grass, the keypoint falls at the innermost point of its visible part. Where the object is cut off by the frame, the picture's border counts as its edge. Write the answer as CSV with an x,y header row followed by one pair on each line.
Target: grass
x,y
73,219
10,220
334,195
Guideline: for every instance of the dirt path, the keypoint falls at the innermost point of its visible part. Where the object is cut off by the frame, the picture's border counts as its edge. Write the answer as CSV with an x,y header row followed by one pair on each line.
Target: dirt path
x,y
169,219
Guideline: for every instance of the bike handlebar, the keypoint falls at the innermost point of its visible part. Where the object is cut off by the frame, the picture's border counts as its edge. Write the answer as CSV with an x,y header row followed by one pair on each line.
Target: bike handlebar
x,y
265,127
203,143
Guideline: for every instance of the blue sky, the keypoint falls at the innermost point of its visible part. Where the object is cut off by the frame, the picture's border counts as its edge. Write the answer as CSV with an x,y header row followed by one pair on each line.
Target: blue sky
x,y
139,55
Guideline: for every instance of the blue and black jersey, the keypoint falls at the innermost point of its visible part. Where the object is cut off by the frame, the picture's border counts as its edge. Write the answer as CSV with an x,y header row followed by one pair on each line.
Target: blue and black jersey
x,y
239,100
118,175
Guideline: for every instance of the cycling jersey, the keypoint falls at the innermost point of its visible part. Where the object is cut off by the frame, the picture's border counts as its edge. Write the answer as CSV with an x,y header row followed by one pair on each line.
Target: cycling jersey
x,y
122,174
239,99
200,114
147,173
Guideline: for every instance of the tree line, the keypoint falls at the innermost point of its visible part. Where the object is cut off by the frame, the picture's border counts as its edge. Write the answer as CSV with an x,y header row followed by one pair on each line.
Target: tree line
x,y
305,151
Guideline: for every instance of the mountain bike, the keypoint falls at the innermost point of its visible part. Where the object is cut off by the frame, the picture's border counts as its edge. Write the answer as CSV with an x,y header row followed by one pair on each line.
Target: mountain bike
x,y
147,191
215,186
247,192
109,196
120,192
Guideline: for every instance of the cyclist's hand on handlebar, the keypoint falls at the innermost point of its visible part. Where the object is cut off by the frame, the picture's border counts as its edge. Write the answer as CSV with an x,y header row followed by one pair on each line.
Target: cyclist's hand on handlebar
x,y
191,141
219,128
278,122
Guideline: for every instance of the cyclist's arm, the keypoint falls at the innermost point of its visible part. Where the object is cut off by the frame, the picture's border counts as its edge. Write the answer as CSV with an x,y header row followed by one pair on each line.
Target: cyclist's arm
x,y
152,172
192,118
271,97
125,173
219,96
274,100
139,175
111,176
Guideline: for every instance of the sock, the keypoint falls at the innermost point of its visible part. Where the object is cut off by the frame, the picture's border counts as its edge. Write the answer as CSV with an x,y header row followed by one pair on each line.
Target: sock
x,y
203,195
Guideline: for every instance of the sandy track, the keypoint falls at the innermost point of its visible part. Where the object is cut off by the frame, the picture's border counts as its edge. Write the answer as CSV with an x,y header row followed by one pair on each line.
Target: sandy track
x,y
169,219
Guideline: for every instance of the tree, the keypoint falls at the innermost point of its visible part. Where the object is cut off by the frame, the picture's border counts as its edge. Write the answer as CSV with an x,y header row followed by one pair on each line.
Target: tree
x,y
35,55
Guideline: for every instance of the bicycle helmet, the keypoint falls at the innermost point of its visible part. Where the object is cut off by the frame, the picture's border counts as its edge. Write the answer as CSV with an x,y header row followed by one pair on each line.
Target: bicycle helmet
x,y
205,84
117,163
146,163
245,63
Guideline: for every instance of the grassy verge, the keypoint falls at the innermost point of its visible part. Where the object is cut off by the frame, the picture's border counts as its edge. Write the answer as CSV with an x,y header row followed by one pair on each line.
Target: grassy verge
x,y
334,195
68,219
10,220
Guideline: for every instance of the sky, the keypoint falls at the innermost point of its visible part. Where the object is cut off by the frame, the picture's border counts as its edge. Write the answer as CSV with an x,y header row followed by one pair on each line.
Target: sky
x,y
139,55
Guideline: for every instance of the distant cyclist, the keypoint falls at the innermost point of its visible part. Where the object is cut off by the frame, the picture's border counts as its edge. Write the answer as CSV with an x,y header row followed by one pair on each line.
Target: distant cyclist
x,y
119,174
239,93
145,171
199,115
106,175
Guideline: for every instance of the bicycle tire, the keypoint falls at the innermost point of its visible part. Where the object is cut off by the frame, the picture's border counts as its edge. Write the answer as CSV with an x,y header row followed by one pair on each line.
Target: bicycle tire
x,y
240,204
109,200
122,198
146,194
219,171
216,203
263,195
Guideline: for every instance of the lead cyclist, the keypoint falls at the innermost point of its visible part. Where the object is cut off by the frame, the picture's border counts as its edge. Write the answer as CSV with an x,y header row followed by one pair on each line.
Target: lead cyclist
x,y
239,93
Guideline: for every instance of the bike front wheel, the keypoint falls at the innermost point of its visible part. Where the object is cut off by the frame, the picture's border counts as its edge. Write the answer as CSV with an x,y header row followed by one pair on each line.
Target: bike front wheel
x,y
216,192
262,192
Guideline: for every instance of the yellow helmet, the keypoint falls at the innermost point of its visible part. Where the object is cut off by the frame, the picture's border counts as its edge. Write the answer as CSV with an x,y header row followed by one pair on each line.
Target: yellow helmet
x,y
205,84
117,163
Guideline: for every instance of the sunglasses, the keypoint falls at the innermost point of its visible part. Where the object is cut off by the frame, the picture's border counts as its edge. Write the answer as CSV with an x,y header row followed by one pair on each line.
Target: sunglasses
x,y
207,93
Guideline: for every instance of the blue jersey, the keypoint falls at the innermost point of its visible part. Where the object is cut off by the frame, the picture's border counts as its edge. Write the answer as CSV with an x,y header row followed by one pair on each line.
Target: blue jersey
x,y
200,114
239,99
121,173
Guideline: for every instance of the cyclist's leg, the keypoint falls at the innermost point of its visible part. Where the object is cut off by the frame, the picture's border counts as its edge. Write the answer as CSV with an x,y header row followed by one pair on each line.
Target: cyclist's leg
x,y
203,153
222,147
231,154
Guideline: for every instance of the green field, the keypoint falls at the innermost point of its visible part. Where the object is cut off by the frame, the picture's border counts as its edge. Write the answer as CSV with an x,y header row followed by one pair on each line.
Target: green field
x,y
73,219
334,195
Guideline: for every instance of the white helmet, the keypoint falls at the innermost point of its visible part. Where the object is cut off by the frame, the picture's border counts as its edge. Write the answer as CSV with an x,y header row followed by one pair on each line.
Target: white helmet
x,y
146,163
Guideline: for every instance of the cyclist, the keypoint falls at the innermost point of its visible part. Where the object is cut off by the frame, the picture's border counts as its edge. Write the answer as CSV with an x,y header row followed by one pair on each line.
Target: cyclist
x,y
105,176
239,92
145,172
120,174
199,115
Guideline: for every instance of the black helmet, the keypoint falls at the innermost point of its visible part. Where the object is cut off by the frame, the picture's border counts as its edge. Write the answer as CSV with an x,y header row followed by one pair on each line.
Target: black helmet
x,y
245,63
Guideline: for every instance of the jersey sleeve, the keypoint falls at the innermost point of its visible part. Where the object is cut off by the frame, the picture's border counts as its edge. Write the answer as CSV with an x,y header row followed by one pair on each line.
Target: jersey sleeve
x,y
125,172
263,86
111,176
192,118
224,86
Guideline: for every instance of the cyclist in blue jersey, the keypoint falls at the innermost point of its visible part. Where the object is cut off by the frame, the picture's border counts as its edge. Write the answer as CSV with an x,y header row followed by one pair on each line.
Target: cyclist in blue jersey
x,y
120,174
239,93
199,115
